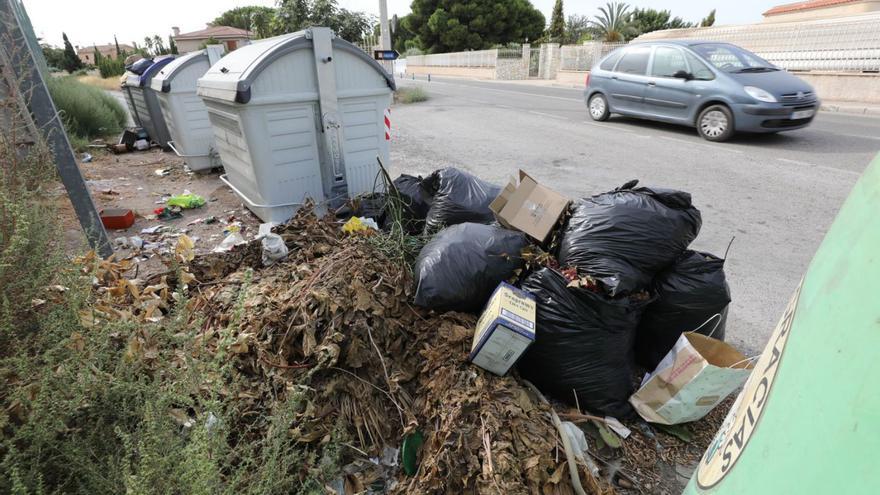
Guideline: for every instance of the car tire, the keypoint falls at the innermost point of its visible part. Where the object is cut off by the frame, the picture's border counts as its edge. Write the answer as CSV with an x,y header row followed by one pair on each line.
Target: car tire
x,y
597,107
715,123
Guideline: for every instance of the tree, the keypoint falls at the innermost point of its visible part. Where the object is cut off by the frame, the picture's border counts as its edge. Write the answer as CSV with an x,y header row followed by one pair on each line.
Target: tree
x,y
453,25
647,20
97,56
709,20
401,37
159,45
209,41
254,18
148,45
71,61
172,46
577,29
293,15
54,56
118,51
556,31
613,23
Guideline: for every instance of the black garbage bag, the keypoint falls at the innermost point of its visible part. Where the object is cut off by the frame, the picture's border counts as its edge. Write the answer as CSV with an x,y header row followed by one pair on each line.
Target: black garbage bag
x,y
416,202
626,236
140,66
459,197
583,343
688,295
461,266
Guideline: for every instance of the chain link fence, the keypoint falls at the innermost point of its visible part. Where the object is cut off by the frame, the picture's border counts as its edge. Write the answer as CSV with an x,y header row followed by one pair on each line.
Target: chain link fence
x,y
582,57
844,44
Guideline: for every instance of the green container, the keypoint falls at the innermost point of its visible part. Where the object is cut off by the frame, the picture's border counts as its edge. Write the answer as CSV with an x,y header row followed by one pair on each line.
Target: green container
x,y
808,419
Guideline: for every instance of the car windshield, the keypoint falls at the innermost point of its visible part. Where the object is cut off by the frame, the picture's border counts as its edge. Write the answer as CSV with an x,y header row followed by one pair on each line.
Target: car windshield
x,y
730,58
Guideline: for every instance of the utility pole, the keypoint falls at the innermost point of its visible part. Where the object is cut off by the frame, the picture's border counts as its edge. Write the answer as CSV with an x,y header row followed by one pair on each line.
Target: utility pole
x,y
385,33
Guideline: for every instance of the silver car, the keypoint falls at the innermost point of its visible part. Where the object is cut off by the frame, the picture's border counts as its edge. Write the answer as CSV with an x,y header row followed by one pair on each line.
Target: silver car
x,y
717,87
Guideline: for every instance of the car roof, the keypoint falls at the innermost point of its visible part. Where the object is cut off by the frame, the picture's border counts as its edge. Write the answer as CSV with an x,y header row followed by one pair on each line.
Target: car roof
x,y
683,42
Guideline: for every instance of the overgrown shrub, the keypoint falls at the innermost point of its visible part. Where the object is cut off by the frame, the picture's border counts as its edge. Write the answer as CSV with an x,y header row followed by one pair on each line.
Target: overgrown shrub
x,y
88,112
411,94
109,67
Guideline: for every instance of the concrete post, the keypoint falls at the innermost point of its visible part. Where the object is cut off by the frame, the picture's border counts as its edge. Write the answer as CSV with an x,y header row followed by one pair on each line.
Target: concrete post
x,y
526,59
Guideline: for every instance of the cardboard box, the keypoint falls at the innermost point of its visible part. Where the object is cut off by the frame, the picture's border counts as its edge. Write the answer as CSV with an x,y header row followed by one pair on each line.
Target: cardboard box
x,y
505,329
528,206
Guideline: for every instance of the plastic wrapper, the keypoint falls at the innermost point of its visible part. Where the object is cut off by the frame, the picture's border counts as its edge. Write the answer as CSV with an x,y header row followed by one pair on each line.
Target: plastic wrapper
x,y
689,295
626,236
583,344
461,266
459,197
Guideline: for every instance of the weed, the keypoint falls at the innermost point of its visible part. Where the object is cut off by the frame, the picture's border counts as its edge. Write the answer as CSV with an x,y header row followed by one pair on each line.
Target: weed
x,y
88,112
411,94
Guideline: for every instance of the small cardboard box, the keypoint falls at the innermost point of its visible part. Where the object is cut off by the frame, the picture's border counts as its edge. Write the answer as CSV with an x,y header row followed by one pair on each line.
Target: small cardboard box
x,y
505,329
528,206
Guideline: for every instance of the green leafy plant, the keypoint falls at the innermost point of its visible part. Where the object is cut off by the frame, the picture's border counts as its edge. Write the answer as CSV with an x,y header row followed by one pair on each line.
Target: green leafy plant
x,y
88,112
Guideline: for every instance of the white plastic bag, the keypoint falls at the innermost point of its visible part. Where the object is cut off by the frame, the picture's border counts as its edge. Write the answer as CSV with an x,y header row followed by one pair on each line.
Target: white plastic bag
x,y
274,249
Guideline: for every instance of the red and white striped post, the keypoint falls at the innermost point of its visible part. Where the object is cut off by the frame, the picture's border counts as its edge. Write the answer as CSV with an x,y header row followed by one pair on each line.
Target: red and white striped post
x,y
387,124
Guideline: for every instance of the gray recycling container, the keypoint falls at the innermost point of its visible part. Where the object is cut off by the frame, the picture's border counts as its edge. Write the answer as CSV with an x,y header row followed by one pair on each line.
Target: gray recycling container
x,y
145,104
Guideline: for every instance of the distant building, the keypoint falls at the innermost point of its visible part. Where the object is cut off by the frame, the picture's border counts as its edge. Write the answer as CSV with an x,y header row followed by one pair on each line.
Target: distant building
x,y
230,37
820,9
87,53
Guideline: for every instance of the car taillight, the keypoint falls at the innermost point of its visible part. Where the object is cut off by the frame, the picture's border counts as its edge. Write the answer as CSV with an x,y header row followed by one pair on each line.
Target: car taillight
x,y
587,80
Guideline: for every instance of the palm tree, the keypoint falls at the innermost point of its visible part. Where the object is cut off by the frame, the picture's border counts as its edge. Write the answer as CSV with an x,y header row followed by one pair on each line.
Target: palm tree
x,y
614,23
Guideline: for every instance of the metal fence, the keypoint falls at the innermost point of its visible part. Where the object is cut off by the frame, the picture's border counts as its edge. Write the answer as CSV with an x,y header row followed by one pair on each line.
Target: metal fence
x,y
582,57
843,44
475,58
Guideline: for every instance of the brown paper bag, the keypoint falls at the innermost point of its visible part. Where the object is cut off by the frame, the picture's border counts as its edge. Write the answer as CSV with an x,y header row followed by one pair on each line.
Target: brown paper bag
x,y
693,378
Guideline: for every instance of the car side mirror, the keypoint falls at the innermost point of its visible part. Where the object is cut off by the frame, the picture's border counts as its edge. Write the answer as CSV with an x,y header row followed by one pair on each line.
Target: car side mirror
x,y
683,74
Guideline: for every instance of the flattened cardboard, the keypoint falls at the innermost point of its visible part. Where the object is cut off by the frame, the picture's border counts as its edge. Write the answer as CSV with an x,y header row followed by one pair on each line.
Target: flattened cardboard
x,y
528,206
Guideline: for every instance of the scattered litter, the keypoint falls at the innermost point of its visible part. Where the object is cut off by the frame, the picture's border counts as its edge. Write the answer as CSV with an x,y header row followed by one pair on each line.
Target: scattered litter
x,y
505,330
186,201
117,218
409,452
528,206
274,249
166,213
162,172
86,158
265,229
696,375
358,224
136,242
617,427
229,242
153,230
142,145
210,220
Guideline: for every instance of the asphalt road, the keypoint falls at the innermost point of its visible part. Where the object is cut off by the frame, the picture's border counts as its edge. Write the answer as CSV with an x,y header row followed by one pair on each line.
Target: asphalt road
x,y
777,194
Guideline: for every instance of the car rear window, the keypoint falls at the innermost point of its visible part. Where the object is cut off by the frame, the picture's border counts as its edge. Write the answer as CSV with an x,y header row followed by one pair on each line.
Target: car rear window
x,y
635,61
610,60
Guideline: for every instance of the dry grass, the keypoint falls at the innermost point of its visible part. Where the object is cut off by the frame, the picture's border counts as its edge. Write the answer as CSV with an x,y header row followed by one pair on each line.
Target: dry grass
x,y
109,83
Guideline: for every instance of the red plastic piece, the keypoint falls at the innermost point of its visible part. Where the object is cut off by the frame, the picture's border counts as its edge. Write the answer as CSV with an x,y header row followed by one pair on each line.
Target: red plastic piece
x,y
117,218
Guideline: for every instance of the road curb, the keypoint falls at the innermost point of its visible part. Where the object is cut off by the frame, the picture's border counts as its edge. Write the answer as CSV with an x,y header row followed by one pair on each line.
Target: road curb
x,y
855,109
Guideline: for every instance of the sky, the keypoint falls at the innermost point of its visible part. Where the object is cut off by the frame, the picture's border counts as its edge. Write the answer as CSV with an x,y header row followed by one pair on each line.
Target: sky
x,y
88,22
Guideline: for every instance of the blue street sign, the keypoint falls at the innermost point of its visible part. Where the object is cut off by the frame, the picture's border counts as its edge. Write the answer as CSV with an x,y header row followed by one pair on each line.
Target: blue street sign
x,y
385,54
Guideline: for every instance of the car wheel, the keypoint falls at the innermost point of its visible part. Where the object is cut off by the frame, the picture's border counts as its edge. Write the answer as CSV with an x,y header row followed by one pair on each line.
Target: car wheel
x,y
598,107
715,123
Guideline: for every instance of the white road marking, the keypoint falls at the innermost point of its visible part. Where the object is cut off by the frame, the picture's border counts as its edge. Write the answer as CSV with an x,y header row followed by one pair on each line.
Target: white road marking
x,y
860,136
520,93
813,165
715,147
547,115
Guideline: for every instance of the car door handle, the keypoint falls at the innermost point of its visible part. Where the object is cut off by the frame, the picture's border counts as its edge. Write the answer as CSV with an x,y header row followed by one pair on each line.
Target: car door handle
x,y
652,83
613,77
